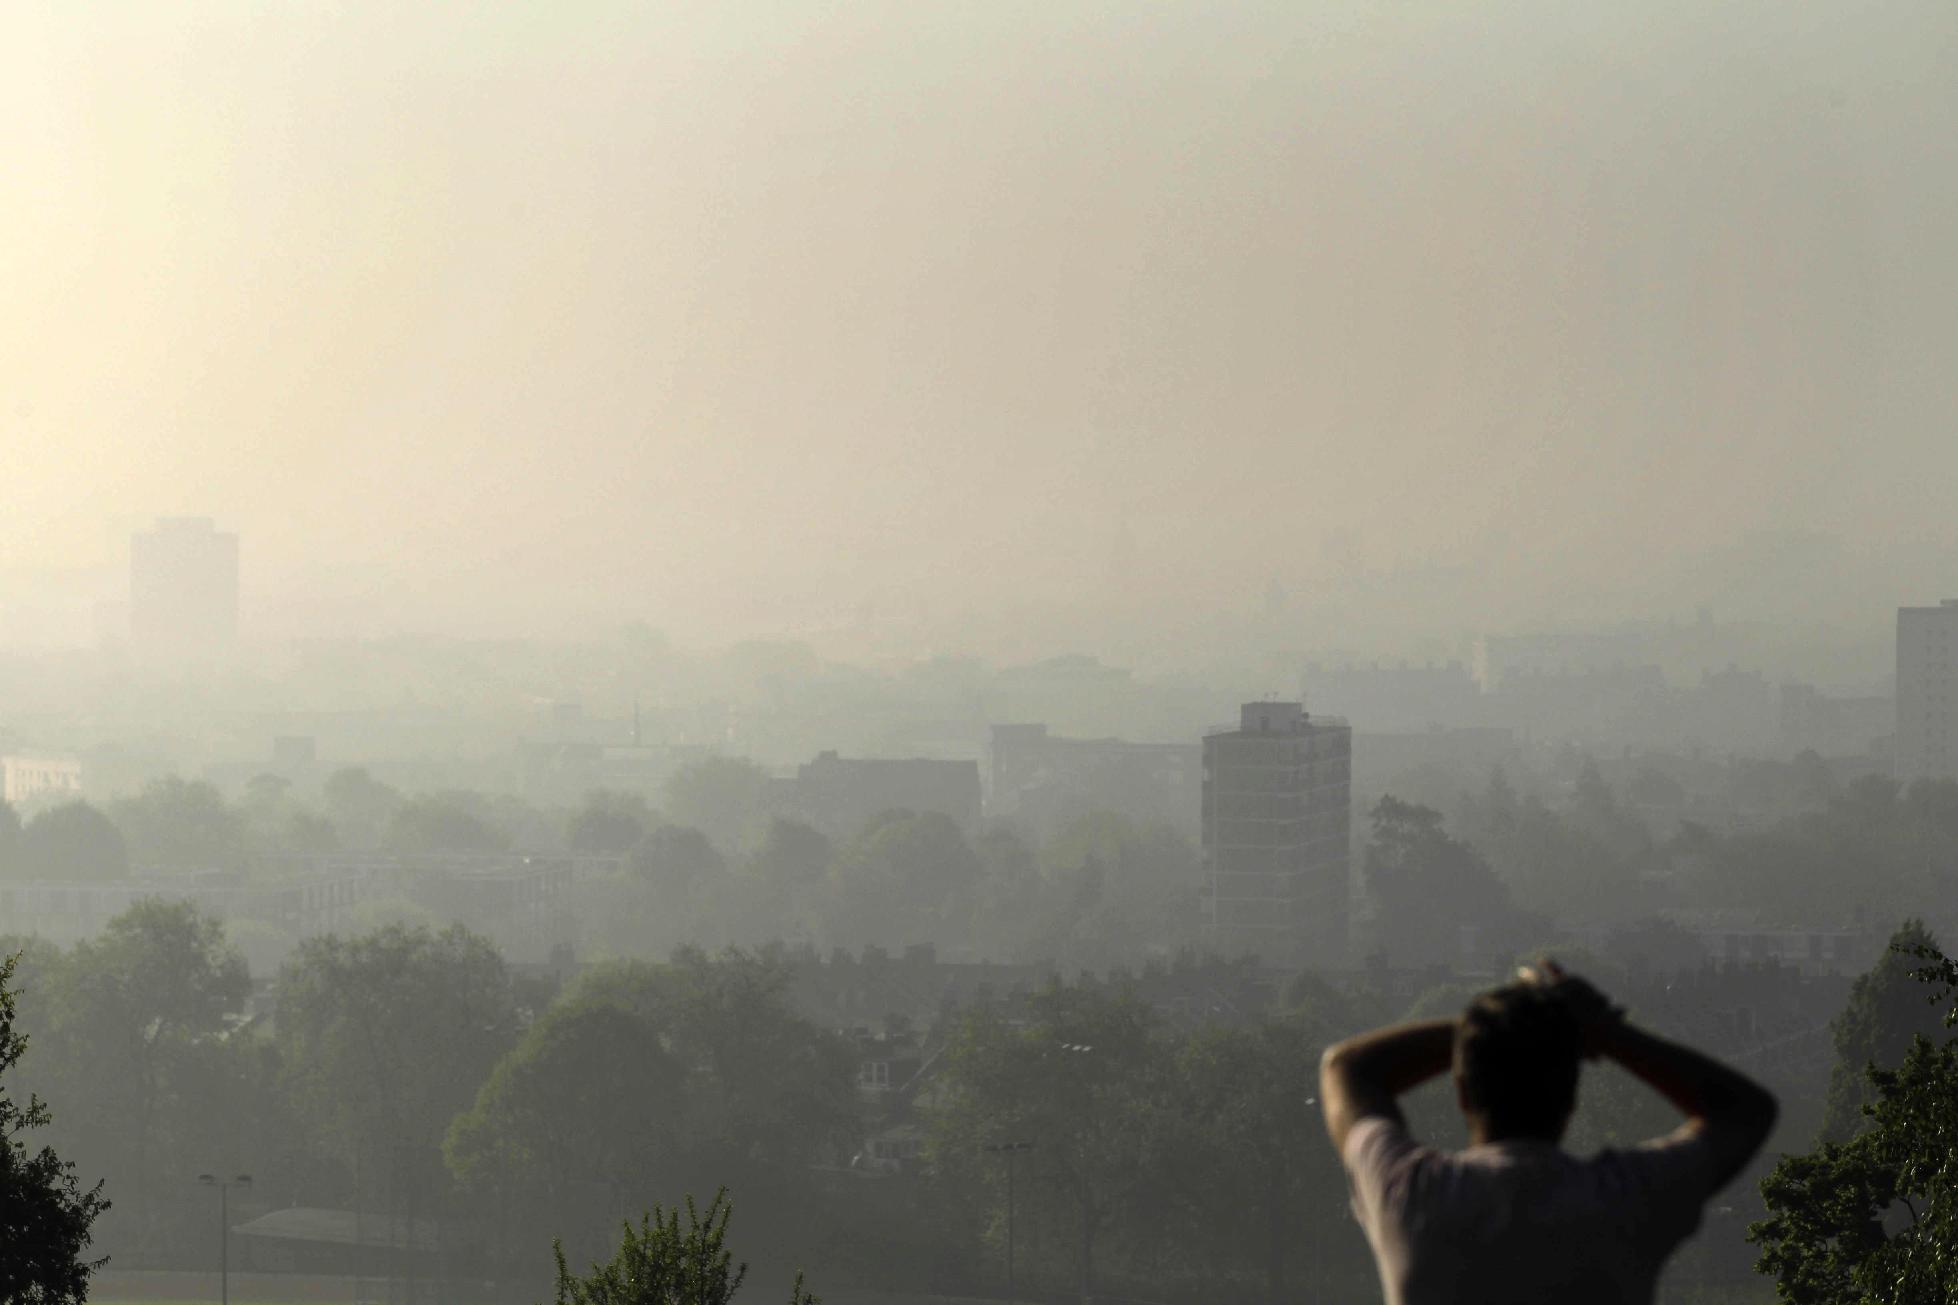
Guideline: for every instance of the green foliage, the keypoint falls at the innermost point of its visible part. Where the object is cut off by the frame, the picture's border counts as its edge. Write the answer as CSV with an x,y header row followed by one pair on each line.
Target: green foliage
x,y
793,856
182,824
1874,1220
1114,890
1426,886
9,838
608,822
359,806
665,1261
443,822
574,1122
1902,846
1579,864
46,1218
674,858
1256,1173
386,1037
762,1084
1181,1162
135,1021
1887,1009
71,841
1085,1080
902,879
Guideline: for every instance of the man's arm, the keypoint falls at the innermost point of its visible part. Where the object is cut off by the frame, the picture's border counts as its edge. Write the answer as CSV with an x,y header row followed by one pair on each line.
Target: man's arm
x,y
1361,1077
1731,1112
1728,1110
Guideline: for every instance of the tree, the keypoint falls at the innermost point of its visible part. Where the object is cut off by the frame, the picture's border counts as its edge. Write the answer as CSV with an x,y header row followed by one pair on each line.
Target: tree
x,y
1427,886
901,879
765,1087
793,856
608,823
1258,1180
676,858
359,806
132,1012
386,1038
666,1262
9,838
1084,1077
46,1214
182,824
575,1121
1875,1219
1114,890
72,841
443,822
1885,1013
723,797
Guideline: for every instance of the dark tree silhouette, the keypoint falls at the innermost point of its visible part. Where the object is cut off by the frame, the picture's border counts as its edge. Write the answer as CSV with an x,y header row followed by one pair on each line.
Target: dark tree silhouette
x,y
45,1216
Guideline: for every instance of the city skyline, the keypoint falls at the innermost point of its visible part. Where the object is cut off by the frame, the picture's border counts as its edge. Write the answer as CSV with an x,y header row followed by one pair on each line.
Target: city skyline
x,y
460,341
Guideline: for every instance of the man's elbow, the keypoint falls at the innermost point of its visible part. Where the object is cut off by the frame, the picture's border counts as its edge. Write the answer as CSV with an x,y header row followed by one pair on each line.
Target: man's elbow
x,y
1335,1062
1746,1120
1763,1110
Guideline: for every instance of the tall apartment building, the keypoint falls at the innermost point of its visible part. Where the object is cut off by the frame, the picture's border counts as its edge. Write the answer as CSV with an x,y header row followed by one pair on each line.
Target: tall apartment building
x,y
183,586
1277,798
1927,692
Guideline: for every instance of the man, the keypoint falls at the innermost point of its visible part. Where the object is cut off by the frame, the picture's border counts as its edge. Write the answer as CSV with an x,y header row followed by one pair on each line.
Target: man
x,y
1514,1218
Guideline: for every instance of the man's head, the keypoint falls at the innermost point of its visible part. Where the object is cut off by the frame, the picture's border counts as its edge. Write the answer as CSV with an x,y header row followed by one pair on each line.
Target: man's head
x,y
1516,1059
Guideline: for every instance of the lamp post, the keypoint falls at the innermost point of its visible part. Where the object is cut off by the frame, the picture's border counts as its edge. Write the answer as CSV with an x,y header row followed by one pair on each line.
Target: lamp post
x,y
224,1186
1009,1150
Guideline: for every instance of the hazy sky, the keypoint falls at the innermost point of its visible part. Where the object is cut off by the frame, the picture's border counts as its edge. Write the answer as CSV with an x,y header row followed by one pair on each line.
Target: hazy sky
x,y
749,316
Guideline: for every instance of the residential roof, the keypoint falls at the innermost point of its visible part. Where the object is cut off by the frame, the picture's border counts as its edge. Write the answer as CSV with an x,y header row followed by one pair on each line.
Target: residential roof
x,y
303,1223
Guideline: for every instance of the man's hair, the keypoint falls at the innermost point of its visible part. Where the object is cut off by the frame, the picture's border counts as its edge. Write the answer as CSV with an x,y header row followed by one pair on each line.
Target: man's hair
x,y
1516,1053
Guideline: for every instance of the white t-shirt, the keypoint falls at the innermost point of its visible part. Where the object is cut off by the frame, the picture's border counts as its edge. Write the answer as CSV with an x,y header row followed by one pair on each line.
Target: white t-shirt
x,y
1520,1222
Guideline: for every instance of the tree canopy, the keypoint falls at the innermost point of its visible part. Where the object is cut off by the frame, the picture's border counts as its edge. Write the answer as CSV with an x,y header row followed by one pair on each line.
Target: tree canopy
x,y
47,1215
71,841
667,1261
1874,1220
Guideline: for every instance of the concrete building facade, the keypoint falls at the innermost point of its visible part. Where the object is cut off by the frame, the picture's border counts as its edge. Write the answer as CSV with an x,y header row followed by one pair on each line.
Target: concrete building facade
x,y
1927,692
1277,798
183,586
39,779
839,795
1041,780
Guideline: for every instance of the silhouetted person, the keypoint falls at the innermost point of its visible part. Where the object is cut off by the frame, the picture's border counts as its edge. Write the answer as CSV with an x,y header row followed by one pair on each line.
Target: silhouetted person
x,y
1514,1218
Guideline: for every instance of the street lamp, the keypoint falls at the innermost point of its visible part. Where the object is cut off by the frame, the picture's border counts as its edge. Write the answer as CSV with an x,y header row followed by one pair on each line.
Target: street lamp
x,y
224,1186
1009,1150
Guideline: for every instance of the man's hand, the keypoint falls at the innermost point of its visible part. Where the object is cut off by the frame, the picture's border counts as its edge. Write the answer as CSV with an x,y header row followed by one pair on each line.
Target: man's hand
x,y
1598,1021
1729,1112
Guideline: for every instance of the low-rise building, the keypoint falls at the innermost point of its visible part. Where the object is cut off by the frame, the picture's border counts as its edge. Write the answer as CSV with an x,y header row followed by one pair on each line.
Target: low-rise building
x,y
26,779
1041,780
839,795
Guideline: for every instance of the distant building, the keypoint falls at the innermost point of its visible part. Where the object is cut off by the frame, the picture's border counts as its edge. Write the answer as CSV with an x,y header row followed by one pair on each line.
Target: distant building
x,y
297,752
1927,692
1042,780
1813,721
563,772
183,586
839,795
1397,699
39,779
1277,795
